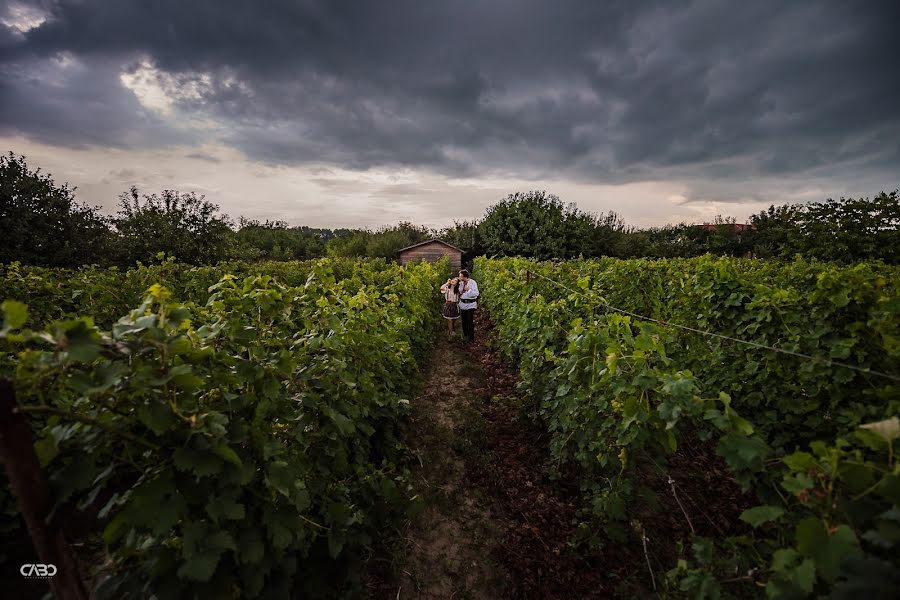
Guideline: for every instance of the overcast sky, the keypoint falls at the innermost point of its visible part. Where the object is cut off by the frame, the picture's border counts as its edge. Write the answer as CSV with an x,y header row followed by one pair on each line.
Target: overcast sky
x,y
350,113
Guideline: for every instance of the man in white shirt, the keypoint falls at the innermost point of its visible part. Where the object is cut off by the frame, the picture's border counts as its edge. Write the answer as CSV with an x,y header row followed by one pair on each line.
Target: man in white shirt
x,y
468,294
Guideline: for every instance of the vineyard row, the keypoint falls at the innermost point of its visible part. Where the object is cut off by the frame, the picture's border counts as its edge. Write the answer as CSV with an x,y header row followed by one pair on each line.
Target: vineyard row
x,y
796,454
232,435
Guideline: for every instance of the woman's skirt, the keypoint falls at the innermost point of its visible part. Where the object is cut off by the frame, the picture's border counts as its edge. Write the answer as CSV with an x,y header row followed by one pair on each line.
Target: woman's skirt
x,y
450,310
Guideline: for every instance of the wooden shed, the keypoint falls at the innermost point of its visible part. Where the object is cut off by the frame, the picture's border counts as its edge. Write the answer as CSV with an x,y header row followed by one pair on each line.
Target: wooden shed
x,y
432,251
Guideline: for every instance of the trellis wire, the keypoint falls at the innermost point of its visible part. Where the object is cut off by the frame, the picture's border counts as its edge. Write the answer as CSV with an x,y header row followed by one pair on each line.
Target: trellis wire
x,y
818,359
680,505
647,556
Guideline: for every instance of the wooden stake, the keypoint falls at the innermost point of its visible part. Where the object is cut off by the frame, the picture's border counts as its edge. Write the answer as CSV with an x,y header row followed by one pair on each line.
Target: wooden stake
x,y
30,489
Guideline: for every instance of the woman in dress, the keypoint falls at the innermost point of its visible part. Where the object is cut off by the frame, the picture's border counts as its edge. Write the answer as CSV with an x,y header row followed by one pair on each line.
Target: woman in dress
x,y
451,300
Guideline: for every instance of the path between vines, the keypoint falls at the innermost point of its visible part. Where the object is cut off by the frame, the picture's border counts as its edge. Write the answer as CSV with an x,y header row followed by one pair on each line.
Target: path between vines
x,y
492,524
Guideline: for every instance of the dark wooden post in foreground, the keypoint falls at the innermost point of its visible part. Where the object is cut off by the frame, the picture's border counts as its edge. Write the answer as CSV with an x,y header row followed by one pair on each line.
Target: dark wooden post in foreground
x,y
30,489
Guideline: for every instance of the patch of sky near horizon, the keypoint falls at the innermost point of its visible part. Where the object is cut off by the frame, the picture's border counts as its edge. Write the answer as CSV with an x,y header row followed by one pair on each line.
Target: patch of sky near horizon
x,y
330,196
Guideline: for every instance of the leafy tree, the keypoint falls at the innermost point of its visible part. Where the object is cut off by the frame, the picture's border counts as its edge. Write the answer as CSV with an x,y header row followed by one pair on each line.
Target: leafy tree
x,y
634,243
184,225
838,230
385,242
349,246
726,237
465,235
43,224
325,235
535,224
276,240
671,241
607,235
775,228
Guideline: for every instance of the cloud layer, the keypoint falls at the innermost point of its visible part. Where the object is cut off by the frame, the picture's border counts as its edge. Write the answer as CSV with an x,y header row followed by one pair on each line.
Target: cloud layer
x,y
704,92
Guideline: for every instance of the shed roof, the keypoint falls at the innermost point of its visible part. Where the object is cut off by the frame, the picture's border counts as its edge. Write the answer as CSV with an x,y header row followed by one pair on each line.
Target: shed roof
x,y
428,242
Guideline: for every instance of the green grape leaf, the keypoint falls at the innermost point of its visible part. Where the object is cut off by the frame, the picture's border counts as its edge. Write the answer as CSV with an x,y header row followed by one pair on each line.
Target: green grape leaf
x,y
156,414
200,567
225,452
15,314
115,529
761,514
828,549
200,462
225,508
252,551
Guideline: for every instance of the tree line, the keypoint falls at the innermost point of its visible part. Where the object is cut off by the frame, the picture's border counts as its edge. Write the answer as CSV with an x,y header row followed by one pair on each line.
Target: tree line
x,y
44,224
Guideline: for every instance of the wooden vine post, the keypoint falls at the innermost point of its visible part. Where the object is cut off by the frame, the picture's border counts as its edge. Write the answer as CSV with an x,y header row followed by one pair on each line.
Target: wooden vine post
x,y
26,479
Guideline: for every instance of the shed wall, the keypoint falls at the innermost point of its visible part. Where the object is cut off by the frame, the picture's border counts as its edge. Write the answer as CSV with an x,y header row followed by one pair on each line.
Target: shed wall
x,y
432,252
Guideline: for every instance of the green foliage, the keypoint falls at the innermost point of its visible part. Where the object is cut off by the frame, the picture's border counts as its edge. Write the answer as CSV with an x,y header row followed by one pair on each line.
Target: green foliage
x,y
53,294
277,241
184,225
721,237
246,445
465,235
839,230
535,224
352,245
538,225
619,394
383,243
43,224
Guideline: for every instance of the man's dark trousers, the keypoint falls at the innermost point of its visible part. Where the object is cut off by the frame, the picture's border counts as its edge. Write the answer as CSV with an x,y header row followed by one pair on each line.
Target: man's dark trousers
x,y
468,323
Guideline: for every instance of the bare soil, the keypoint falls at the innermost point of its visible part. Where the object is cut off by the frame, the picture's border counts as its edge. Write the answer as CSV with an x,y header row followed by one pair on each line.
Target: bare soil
x,y
495,525
448,548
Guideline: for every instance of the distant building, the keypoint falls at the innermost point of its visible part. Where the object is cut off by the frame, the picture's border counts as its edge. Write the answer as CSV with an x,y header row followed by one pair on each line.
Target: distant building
x,y
432,251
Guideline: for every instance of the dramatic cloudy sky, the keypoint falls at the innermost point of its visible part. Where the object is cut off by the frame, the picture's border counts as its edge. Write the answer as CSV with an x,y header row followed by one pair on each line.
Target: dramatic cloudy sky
x,y
363,113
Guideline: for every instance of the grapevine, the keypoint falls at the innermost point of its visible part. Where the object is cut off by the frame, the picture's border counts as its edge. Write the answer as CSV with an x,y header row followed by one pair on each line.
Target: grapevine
x,y
810,441
241,441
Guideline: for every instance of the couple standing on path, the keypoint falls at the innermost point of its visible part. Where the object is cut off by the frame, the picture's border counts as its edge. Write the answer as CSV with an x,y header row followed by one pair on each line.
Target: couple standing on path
x,y
460,296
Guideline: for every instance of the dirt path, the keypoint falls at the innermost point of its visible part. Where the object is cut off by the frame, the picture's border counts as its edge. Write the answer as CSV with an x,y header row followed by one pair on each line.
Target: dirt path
x,y
493,524
450,546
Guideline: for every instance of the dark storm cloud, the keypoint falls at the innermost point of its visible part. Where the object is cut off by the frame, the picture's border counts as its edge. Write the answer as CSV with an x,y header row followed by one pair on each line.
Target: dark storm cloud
x,y
63,101
597,91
